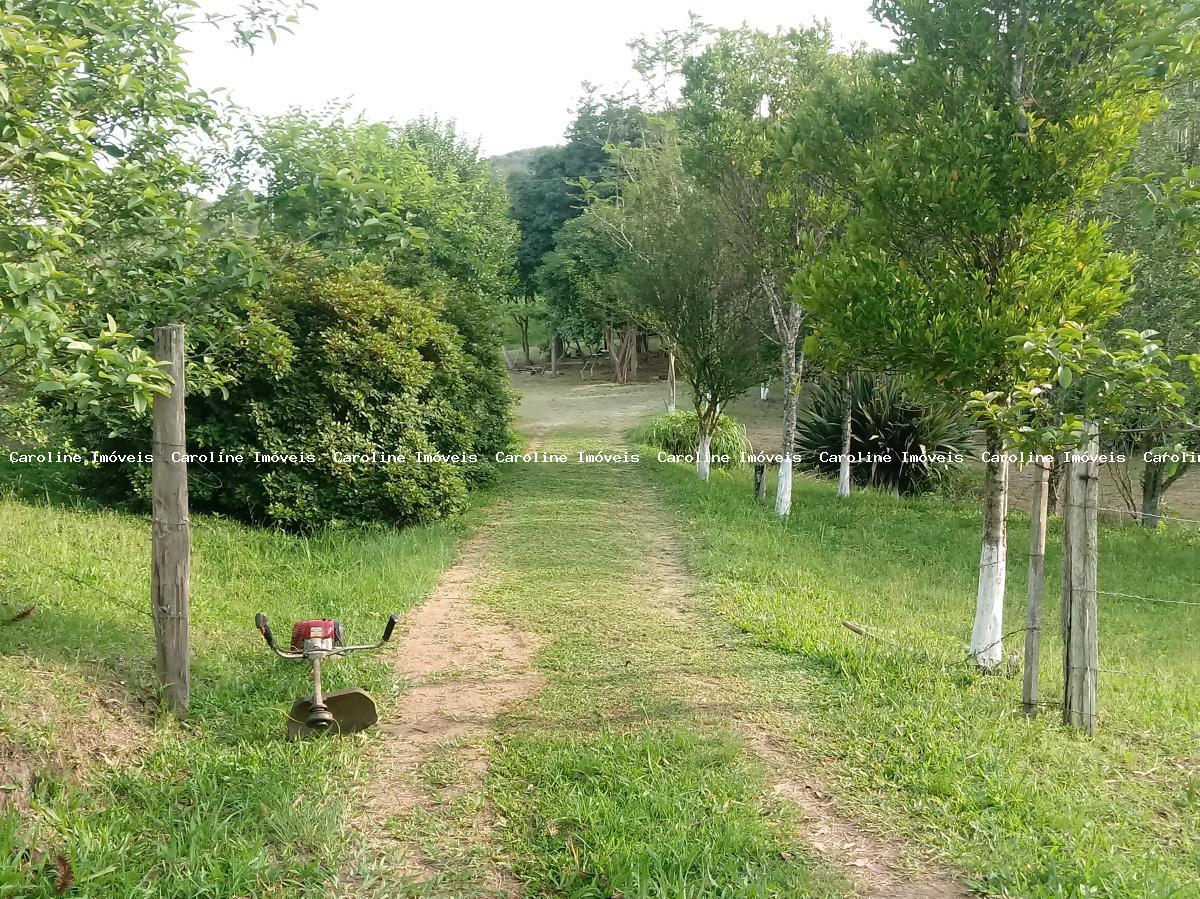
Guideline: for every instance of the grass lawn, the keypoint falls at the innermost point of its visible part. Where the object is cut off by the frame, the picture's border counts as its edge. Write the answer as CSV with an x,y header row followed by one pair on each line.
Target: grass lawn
x,y
608,782
921,743
221,805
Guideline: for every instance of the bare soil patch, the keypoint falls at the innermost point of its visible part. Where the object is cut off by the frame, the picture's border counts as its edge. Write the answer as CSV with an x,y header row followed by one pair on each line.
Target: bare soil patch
x,y
464,667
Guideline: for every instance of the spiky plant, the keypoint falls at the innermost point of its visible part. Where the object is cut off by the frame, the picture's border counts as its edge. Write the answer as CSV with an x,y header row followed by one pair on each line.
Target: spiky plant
x,y
909,444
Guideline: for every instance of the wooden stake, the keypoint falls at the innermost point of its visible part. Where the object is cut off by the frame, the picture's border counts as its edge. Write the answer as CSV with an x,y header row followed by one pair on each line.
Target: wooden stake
x,y
170,531
1079,614
760,482
1037,585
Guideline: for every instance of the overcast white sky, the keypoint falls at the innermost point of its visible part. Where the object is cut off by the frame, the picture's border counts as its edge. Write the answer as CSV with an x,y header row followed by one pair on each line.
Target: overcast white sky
x,y
507,72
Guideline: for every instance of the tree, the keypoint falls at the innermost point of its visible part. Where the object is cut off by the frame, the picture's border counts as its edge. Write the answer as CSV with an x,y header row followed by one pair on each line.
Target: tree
x,y
780,218
966,160
553,192
682,279
95,110
1166,294
385,252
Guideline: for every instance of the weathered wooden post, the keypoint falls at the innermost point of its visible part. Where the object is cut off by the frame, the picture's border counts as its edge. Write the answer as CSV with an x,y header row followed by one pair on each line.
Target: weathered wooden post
x,y
170,535
1037,584
760,481
1079,614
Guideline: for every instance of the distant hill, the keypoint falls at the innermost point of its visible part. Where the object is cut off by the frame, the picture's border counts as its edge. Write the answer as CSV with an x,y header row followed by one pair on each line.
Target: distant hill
x,y
515,163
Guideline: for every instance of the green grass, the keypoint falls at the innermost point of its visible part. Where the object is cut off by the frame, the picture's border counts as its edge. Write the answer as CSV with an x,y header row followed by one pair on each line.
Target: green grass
x,y
922,743
609,783
641,814
221,805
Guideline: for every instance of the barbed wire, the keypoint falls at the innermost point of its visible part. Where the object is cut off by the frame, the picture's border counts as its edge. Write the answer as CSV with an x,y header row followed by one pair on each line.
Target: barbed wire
x,y
1176,602
1161,517
78,580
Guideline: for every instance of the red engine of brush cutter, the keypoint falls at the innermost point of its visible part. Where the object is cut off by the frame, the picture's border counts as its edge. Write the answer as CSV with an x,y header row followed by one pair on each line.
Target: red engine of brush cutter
x,y
328,631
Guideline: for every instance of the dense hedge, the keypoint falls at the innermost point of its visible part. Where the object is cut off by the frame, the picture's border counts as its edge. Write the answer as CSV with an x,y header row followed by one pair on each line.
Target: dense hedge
x,y
340,363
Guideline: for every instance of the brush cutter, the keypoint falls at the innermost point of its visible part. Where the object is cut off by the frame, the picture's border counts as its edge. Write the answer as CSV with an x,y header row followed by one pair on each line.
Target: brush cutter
x,y
339,712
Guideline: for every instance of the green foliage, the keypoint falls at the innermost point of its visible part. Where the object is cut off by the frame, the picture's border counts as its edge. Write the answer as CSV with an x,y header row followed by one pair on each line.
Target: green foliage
x,y
344,363
93,106
967,155
549,193
678,433
885,421
679,276
578,279
368,323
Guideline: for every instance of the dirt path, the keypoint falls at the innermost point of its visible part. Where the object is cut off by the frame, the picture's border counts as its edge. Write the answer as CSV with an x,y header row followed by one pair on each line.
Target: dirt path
x,y
464,667
875,866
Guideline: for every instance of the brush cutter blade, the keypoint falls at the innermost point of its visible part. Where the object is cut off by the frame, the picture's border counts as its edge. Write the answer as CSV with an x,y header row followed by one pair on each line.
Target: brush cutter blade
x,y
349,711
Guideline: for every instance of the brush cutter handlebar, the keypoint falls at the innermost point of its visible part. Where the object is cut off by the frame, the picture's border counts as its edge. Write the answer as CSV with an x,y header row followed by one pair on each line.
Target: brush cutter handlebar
x,y
260,621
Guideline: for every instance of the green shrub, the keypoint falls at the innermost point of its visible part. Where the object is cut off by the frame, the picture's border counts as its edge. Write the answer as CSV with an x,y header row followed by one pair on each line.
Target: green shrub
x,y
679,433
886,422
342,363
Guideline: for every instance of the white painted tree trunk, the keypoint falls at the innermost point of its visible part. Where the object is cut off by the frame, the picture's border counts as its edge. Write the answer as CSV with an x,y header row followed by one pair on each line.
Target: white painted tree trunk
x,y
783,490
670,382
704,456
764,391
986,645
847,421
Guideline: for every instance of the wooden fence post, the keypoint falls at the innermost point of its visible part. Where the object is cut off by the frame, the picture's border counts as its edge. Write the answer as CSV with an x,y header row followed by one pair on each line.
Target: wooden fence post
x,y
170,534
1080,634
1037,584
760,482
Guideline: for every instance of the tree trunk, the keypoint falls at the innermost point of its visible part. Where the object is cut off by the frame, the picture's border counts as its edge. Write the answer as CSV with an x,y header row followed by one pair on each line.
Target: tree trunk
x,y
523,324
704,454
1079,612
670,382
847,422
553,355
1037,584
630,346
986,645
1152,491
783,489
764,391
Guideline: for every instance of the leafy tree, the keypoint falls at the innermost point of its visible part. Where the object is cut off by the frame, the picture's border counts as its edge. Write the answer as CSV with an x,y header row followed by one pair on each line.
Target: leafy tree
x,y
966,160
779,216
377,245
682,279
99,199
579,280
1166,294
553,192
